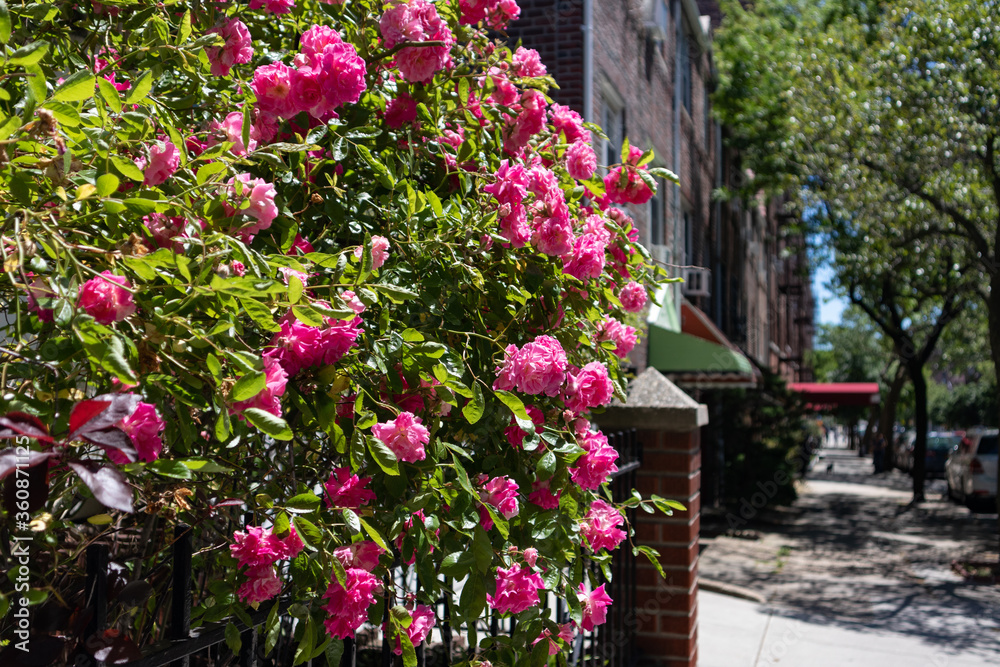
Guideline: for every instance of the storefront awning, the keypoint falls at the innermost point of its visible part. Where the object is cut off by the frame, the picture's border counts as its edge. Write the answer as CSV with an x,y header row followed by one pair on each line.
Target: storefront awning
x,y
837,393
692,352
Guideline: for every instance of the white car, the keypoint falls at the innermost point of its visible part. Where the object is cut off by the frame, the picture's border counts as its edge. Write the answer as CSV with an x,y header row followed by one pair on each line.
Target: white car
x,y
971,469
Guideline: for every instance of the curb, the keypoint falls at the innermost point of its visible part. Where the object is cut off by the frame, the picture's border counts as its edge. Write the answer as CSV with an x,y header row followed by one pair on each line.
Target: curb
x,y
714,586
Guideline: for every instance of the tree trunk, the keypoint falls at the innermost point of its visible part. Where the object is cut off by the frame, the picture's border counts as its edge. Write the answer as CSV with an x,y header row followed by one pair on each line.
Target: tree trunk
x,y
916,373
887,421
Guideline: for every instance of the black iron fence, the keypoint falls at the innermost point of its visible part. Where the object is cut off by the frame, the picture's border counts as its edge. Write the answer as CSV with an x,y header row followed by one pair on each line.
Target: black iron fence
x,y
609,645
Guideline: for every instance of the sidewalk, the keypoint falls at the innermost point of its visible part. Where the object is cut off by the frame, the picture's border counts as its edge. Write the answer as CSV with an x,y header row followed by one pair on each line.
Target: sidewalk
x,y
851,575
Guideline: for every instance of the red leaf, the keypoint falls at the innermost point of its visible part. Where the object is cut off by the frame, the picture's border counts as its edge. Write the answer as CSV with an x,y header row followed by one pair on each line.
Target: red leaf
x,y
15,424
119,406
9,460
84,411
107,484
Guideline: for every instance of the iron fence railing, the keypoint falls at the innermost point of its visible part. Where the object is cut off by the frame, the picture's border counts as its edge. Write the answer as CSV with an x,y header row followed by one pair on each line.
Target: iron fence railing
x,y
609,645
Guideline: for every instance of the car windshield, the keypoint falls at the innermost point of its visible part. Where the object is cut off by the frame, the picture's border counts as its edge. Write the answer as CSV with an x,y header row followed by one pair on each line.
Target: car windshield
x,y
942,443
988,445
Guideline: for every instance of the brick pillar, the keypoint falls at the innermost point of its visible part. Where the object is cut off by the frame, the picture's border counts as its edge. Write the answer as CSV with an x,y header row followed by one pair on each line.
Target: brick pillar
x,y
668,423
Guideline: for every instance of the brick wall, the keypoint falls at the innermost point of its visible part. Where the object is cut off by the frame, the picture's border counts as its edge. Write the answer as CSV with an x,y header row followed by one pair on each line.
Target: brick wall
x,y
667,609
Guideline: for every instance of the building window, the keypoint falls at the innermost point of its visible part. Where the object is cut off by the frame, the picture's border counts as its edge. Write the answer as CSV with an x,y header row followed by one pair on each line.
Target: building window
x,y
685,68
613,122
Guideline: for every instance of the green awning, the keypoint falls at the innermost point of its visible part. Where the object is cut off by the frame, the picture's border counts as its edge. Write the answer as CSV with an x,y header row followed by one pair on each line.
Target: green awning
x,y
674,352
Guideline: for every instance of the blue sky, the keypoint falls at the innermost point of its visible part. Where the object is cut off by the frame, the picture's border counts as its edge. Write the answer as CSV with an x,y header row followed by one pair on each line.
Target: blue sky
x,y
829,307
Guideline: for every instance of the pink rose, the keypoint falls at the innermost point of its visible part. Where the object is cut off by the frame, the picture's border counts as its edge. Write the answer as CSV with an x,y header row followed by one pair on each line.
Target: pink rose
x,y
632,297
380,251
348,605
262,207
256,547
543,496
269,400
569,123
164,158
587,258
272,84
262,584
144,426
500,493
273,6
231,129
417,21
238,49
405,436
515,436
588,387
537,368
346,490
39,289
363,555
581,161
528,63
600,527
593,468
517,589
422,621
594,606
106,298
623,336
530,556
400,111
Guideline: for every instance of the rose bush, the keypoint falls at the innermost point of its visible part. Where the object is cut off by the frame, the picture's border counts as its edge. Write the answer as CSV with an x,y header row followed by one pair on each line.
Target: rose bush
x,y
331,282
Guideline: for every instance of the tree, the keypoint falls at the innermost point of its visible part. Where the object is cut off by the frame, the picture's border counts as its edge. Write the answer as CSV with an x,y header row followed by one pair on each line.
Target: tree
x,y
889,100
330,283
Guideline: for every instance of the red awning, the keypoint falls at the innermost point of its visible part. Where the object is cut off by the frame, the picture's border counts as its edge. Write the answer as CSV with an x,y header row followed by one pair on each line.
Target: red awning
x,y
837,393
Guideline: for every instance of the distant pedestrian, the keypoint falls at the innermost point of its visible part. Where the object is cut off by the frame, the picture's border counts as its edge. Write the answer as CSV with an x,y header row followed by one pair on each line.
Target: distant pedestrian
x,y
878,453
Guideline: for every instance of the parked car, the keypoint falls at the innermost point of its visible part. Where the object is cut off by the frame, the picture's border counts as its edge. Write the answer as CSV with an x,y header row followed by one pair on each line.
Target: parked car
x,y
971,469
939,446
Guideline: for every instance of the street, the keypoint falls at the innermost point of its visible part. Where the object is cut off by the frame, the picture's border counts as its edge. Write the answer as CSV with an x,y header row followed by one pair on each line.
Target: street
x,y
851,574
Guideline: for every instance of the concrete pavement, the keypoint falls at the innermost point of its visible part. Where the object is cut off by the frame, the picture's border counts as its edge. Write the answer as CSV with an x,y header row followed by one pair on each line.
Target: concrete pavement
x,y
852,576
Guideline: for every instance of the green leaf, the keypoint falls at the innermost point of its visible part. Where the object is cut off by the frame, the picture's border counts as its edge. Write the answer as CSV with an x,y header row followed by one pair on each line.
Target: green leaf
x,y
384,457
204,465
482,550
259,313
29,54
305,648
185,30
352,521
303,502
400,616
515,404
335,653
76,88
140,88
626,149
107,185
473,599
214,366
9,126
473,410
211,169
665,174
272,628
4,37
109,94
308,531
64,113
233,639
395,293
170,468
653,555
276,427
457,564
248,386
127,168
375,536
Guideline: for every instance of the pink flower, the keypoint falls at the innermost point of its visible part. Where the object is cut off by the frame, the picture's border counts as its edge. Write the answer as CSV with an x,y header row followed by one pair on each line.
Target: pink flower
x,y
166,231
291,545
400,111
589,387
106,298
164,158
405,436
238,49
537,368
301,245
261,207
569,123
256,547
273,6
287,273
144,426
515,436
581,161
530,556
338,338
353,302
238,268
625,186
299,345
501,493
497,13
529,122
528,63
517,589
632,297
348,605
269,399
307,93
587,259
347,490
600,526
623,336
380,251
594,605
262,584
272,84
315,39
342,75
363,555
593,468
422,621
543,496
417,21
